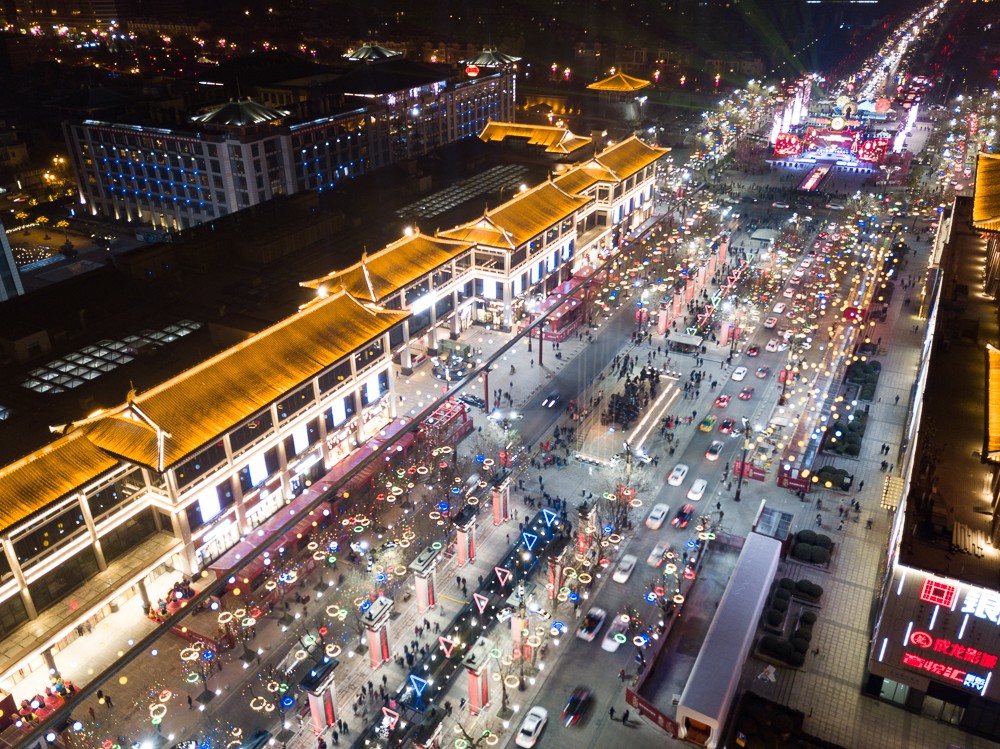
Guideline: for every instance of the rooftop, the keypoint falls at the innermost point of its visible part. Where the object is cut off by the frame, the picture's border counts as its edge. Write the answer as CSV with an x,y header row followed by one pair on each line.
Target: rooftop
x,y
242,113
620,83
552,139
986,201
949,495
393,267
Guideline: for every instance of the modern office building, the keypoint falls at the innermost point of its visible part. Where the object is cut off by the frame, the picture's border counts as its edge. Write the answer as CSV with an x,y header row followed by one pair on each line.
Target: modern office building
x,y
241,153
121,502
10,279
936,640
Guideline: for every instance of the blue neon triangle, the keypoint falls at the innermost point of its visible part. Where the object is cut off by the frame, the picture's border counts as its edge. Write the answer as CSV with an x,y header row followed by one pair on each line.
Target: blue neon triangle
x,y
550,517
530,539
419,685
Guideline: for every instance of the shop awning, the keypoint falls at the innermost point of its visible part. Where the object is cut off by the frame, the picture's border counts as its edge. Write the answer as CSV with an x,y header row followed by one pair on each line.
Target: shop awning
x,y
684,339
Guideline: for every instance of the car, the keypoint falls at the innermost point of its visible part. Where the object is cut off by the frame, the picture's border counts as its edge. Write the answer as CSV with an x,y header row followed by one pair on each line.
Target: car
x,y
505,614
576,706
762,372
798,273
788,293
531,727
591,624
745,394
624,569
715,449
683,516
835,206
697,490
779,204
655,558
770,322
656,516
618,626
472,400
677,475
726,427
722,401
739,373
707,423
753,350
551,399
779,308
772,345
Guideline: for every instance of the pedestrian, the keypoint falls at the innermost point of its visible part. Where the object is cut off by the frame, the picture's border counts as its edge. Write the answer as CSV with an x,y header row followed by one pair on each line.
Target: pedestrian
x,y
461,703
336,738
385,680
841,526
107,701
819,519
861,485
611,712
621,674
897,403
190,703
93,715
625,717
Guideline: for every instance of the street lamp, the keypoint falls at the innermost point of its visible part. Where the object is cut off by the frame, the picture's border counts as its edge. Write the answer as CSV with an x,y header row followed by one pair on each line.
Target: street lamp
x,y
747,432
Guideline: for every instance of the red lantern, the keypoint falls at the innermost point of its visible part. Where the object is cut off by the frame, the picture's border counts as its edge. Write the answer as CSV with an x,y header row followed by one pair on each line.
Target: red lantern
x,y
472,71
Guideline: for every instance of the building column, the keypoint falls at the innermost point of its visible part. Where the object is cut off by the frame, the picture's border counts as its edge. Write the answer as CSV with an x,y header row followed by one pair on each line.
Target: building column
x,y
508,309
465,542
22,583
432,333
88,520
406,355
50,660
143,593
479,688
456,318
241,511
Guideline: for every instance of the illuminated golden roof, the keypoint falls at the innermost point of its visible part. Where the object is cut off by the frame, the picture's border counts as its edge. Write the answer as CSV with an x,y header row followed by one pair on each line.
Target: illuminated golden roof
x,y
619,83
56,470
986,199
579,178
628,157
521,218
553,139
198,405
991,436
393,267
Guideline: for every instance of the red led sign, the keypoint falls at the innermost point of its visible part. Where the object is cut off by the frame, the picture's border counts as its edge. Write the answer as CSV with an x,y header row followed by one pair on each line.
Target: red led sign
x,y
938,593
933,667
954,649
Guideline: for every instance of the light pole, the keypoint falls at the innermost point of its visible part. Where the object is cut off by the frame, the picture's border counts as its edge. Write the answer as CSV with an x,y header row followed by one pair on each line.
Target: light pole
x,y
747,432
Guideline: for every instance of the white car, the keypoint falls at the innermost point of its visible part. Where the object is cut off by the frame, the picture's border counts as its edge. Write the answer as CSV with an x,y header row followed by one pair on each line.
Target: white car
x,y
656,516
619,625
772,345
788,293
697,490
770,322
624,569
779,308
676,477
655,558
531,727
739,373
591,624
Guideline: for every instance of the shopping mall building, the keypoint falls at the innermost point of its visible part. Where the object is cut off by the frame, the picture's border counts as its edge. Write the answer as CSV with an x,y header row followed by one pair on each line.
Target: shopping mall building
x,y
936,638
122,501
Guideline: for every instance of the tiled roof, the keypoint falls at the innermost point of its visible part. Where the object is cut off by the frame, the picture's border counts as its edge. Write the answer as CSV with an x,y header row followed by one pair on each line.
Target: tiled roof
x,y
59,468
552,139
205,401
579,178
243,113
986,199
628,157
619,83
518,220
393,267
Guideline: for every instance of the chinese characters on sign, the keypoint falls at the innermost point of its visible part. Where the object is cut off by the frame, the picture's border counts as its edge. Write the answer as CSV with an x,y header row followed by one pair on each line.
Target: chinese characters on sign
x,y
954,650
938,593
983,604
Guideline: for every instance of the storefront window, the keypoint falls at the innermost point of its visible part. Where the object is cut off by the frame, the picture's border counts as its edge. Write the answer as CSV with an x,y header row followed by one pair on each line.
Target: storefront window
x,y
302,438
12,614
115,492
250,431
295,402
129,534
259,469
53,586
374,387
201,464
336,375
341,410
209,504
368,355
50,534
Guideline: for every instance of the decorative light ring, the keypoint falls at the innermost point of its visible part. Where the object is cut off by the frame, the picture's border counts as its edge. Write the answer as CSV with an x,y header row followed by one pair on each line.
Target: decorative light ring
x,y
511,680
422,470
496,676
190,654
620,638
635,502
482,484
272,686
404,544
157,710
585,578
332,610
604,543
165,695
400,570
397,490
410,535
446,450
192,678
562,597
440,522
492,740
359,529
333,650
569,572
678,599
670,568
700,528
270,585
489,462
609,495
292,576
248,622
615,538
472,501
312,546
225,617
358,601
434,514
258,703
319,556
703,536
638,641
347,521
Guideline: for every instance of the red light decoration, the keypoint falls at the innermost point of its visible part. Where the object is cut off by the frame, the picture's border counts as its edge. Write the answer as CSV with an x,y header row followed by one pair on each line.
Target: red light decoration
x,y
938,593
874,150
787,144
472,71
933,667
